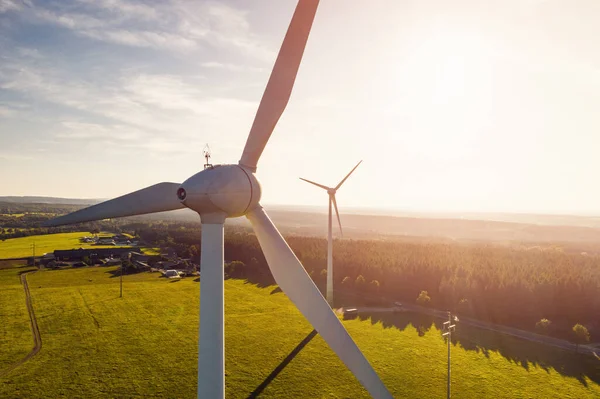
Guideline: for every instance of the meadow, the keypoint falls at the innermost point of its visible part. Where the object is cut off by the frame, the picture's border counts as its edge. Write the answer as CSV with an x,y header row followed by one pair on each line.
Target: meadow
x,y
15,334
22,247
97,345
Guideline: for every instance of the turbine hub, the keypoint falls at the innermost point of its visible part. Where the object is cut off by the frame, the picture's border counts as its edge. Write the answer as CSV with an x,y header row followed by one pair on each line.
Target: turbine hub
x,y
229,189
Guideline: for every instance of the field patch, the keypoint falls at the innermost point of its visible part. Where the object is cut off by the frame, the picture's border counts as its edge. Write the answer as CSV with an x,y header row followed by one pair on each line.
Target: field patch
x,y
15,333
22,247
97,345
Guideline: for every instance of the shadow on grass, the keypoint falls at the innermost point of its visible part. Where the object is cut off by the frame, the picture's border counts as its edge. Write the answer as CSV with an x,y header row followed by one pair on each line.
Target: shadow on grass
x,y
264,279
527,354
116,273
282,365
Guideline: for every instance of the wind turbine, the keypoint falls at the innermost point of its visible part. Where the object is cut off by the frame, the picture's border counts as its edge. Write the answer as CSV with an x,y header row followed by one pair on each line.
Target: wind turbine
x,y
225,191
331,192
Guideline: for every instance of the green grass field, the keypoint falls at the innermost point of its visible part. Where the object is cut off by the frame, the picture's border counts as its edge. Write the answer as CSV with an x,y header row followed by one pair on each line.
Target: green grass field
x,y
15,334
21,247
96,345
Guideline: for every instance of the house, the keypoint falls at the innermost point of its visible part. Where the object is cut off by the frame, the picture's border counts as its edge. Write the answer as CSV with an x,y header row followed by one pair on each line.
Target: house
x,y
93,253
47,258
172,274
105,241
350,313
112,262
169,253
136,256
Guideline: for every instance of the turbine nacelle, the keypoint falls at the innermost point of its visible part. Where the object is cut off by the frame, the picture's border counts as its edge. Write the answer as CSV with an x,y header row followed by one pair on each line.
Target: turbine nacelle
x,y
221,189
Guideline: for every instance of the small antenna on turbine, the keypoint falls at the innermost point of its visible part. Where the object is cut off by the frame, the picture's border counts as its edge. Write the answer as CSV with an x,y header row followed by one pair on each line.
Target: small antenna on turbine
x,y
206,153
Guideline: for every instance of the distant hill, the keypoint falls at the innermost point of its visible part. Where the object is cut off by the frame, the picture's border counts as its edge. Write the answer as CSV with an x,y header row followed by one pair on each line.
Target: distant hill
x,y
553,219
385,227
379,224
49,200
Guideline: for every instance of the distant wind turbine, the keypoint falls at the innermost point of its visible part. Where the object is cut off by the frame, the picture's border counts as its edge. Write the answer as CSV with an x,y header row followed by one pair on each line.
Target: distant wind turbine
x,y
331,191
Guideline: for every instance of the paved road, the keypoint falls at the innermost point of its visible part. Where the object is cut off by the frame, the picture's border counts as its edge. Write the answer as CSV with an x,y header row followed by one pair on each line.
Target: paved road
x,y
37,339
529,336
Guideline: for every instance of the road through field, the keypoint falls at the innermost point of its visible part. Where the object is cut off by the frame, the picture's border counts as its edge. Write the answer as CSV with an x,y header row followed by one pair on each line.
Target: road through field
x,y
37,339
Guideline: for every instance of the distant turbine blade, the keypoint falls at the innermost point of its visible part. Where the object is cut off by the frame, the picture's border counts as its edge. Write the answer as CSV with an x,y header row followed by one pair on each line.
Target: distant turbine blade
x,y
281,82
347,176
297,285
158,198
337,214
316,184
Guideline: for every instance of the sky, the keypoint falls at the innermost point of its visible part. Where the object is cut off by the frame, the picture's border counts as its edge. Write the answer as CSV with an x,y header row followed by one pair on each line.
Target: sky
x,y
481,106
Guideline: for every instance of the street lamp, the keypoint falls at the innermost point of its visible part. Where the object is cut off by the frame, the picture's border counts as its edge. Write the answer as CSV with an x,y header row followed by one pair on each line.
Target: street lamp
x,y
32,246
449,328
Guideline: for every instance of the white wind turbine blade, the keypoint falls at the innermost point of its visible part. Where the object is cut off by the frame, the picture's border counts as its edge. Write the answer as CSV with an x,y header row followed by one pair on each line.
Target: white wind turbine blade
x,y
337,214
297,285
316,184
281,82
347,176
157,198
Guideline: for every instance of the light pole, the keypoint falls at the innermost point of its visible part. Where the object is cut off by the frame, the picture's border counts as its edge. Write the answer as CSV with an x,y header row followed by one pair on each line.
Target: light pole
x,y
33,247
449,327
121,282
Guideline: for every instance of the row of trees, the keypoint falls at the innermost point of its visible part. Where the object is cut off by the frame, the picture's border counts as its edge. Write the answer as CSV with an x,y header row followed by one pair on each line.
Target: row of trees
x,y
581,335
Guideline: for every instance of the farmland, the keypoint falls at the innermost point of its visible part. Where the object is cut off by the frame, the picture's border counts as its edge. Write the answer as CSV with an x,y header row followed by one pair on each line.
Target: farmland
x,y
22,247
15,334
98,345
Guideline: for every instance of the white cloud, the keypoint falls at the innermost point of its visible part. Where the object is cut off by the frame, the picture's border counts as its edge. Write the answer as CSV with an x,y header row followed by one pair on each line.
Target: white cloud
x,y
141,38
157,112
6,112
229,66
170,25
87,131
29,52
14,5
125,8
13,156
74,21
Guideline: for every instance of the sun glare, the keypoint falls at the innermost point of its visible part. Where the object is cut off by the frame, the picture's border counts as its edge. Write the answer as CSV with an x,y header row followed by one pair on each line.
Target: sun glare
x,y
444,87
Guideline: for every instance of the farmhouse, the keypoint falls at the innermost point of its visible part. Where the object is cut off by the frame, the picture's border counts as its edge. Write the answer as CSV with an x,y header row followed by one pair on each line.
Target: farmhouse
x,y
139,257
79,254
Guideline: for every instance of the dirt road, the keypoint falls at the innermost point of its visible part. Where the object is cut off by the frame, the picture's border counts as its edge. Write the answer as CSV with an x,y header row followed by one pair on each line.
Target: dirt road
x,y
37,339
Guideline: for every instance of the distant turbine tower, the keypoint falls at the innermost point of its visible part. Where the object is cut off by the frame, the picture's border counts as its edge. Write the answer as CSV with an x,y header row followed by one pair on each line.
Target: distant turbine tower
x,y
331,192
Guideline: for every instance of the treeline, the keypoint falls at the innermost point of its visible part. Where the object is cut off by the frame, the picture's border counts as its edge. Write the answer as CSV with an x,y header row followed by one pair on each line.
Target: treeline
x,y
19,208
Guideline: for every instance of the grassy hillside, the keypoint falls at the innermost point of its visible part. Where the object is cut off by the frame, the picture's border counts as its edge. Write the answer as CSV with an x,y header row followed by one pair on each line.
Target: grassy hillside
x,y
21,247
96,345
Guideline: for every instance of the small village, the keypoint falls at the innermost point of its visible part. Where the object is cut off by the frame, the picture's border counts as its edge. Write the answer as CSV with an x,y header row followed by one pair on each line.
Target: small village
x,y
125,251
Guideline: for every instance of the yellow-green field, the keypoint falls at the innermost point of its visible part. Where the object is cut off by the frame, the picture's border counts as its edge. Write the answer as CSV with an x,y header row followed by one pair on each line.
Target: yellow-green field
x,y
15,334
22,247
96,345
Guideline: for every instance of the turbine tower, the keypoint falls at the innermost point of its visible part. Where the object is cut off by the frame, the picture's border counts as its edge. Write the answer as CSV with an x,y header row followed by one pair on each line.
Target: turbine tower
x,y
226,191
331,192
